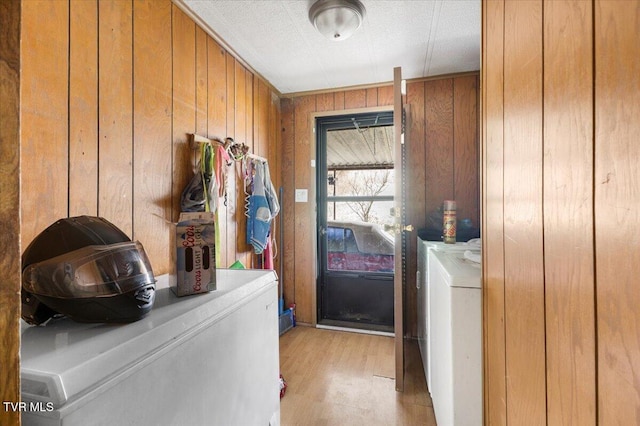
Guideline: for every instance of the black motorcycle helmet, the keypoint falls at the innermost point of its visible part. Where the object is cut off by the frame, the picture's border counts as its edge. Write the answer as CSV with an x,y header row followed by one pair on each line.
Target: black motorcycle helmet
x,y
87,269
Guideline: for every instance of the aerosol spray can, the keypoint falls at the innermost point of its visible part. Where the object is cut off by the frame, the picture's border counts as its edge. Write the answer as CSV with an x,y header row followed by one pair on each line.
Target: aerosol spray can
x,y
449,222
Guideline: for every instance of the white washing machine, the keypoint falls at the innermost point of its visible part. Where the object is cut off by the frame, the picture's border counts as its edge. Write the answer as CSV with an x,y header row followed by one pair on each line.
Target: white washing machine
x,y
422,278
455,338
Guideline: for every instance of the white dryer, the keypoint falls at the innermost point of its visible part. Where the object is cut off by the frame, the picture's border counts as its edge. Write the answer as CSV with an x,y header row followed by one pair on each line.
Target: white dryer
x,y
455,338
422,279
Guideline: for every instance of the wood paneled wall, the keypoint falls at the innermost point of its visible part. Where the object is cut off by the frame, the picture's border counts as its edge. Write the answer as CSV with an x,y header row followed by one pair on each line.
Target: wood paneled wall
x,y
561,203
111,90
9,214
443,164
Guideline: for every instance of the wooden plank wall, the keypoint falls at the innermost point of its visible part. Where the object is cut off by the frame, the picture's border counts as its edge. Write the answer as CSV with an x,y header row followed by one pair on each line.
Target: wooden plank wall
x,y
495,398
617,210
105,122
443,164
561,197
9,215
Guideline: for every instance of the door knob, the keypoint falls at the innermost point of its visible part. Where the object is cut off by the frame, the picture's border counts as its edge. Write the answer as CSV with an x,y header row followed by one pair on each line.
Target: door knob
x,y
397,228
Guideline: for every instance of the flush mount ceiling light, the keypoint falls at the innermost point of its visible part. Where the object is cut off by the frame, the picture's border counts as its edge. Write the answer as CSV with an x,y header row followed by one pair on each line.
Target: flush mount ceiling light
x,y
337,19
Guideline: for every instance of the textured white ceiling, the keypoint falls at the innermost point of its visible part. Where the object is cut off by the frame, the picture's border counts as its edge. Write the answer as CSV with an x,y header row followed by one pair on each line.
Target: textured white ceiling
x,y
275,37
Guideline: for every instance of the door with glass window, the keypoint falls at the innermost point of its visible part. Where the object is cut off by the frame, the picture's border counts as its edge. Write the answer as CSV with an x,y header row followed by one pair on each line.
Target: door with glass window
x,y
356,185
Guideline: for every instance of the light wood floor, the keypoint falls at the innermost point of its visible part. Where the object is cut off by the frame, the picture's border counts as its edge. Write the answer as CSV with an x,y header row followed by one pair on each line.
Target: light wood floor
x,y
346,379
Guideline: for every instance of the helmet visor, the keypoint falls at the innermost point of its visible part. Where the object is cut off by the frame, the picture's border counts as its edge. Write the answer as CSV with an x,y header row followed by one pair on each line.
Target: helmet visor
x,y
91,271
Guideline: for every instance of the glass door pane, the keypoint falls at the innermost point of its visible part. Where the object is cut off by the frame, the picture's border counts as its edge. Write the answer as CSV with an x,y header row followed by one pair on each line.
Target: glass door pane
x,y
355,197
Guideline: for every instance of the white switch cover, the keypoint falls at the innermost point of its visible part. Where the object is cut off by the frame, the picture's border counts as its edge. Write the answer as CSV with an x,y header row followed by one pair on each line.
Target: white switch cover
x,y
301,195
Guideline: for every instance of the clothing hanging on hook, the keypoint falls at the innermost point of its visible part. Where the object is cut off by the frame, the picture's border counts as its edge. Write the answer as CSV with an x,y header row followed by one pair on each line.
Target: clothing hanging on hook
x,y
222,160
261,200
247,186
263,206
200,194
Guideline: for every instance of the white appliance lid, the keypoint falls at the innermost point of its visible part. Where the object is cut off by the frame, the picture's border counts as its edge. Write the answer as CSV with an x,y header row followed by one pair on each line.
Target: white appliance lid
x,y
458,271
66,359
456,247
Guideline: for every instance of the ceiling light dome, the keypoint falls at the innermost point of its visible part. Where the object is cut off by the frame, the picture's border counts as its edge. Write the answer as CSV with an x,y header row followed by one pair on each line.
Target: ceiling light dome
x,y
337,19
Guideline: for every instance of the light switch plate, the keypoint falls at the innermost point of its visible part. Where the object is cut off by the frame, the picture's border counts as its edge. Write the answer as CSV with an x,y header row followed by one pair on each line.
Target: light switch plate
x,y
301,195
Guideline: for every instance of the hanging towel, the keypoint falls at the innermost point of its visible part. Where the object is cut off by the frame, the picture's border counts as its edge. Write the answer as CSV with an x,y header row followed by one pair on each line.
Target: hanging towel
x,y
263,207
270,192
221,160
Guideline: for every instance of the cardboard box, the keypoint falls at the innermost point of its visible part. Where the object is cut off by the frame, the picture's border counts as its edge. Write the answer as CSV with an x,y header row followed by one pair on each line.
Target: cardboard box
x,y
195,258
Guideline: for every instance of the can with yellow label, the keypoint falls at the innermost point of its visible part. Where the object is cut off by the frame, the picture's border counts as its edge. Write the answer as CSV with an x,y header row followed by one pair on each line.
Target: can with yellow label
x,y
449,222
